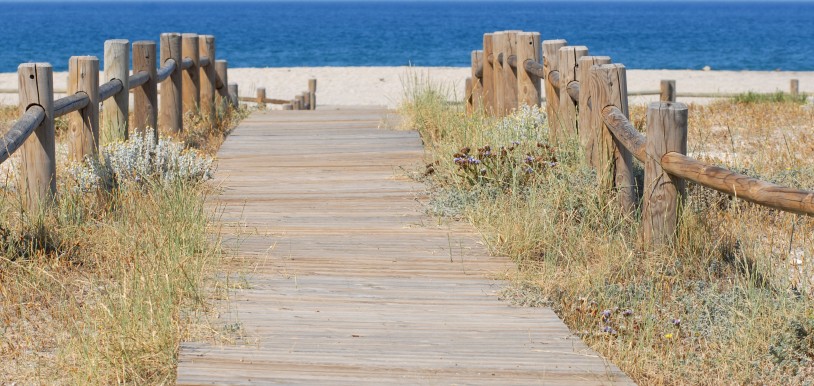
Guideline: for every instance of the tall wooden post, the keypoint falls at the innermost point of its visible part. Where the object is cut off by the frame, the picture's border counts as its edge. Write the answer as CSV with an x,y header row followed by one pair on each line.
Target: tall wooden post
x,y
509,73
39,173
222,83
191,78
668,91
145,98
117,109
615,166
794,88
488,75
569,72
206,47
83,132
312,91
468,96
528,85
170,115
589,128
233,95
666,132
551,59
261,97
477,81
498,45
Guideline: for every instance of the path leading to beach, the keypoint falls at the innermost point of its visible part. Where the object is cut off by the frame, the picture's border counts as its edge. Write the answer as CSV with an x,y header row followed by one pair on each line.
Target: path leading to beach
x,y
351,283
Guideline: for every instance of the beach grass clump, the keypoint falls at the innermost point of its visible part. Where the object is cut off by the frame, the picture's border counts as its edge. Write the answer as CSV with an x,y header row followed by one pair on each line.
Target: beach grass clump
x,y
729,301
102,286
774,97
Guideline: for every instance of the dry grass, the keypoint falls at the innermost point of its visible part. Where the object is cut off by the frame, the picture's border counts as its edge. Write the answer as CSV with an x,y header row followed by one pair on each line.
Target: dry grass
x,y
732,301
103,287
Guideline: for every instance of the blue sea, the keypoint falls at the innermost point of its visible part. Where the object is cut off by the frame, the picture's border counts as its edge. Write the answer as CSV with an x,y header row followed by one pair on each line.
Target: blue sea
x,y
672,35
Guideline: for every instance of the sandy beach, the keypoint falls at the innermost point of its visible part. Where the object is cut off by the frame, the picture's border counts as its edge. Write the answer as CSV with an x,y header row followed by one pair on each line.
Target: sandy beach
x,y
384,86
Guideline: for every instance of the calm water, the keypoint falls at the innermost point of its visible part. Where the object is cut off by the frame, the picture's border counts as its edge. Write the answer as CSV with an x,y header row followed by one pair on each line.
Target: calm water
x,y
734,36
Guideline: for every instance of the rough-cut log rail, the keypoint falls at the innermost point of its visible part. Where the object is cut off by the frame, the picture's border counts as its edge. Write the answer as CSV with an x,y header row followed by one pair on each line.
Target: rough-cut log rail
x,y
573,91
203,61
110,89
165,70
265,100
70,103
554,79
512,61
714,177
187,63
534,68
479,71
20,131
137,80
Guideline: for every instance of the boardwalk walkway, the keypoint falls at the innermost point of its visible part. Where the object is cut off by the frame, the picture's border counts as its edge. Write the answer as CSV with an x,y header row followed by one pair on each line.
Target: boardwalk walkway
x,y
354,284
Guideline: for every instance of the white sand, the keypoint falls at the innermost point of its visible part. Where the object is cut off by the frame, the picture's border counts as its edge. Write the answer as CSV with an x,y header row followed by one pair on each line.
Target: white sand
x,y
346,86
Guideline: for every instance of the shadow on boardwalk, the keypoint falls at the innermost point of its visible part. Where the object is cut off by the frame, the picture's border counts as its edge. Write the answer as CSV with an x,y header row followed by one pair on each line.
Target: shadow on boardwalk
x,y
354,284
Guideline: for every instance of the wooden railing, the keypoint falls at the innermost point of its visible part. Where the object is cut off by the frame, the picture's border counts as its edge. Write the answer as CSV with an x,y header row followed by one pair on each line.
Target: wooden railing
x,y
191,78
304,101
586,99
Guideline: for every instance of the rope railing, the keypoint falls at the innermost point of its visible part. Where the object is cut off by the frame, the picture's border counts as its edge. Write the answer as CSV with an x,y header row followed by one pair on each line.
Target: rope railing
x,y
586,98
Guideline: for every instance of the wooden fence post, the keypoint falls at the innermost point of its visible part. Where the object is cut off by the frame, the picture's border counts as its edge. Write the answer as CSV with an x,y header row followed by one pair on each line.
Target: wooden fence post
x,y
569,69
312,91
233,95
117,109
191,83
615,163
170,114
477,82
300,102
528,85
288,106
794,88
666,132
551,58
668,91
589,129
509,73
206,47
468,96
221,83
36,87
83,132
145,98
498,45
488,75
261,97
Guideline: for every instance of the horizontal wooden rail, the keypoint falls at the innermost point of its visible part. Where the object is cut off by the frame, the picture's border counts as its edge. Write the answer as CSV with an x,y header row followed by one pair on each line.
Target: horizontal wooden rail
x,y
203,61
554,79
20,131
534,68
624,131
265,100
70,103
109,89
138,80
166,70
187,63
573,91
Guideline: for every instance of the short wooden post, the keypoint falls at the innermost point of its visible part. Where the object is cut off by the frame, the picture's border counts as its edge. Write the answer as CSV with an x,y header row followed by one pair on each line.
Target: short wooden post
x,y
668,91
498,45
233,95
206,47
191,77
39,173
666,132
288,106
589,128
312,91
468,95
794,88
488,75
221,83
509,73
477,82
551,59
615,163
300,102
145,98
116,111
170,113
307,97
295,104
261,98
528,85
83,125
569,70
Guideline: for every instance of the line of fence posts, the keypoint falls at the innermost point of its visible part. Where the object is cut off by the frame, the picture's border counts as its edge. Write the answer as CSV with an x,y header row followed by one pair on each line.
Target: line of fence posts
x,y
587,101
187,61
306,100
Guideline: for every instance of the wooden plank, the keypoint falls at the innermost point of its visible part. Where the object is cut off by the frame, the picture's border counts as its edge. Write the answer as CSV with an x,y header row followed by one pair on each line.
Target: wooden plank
x,y
352,283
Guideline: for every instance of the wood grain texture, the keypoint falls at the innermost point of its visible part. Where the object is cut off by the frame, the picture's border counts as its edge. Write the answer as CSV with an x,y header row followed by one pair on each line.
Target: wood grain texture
x,y
488,75
529,85
666,132
352,283
116,111
498,46
191,77
468,100
551,58
206,74
794,87
509,73
170,113
39,184
83,125
477,82
588,128
260,97
145,98
312,93
233,94
667,91
568,65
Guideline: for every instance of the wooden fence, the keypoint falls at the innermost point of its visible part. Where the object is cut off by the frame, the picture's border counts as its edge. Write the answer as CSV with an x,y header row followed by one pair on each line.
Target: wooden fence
x,y
587,101
191,79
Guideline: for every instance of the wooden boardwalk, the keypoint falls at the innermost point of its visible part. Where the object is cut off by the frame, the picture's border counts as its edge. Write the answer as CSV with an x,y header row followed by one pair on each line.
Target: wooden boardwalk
x,y
352,284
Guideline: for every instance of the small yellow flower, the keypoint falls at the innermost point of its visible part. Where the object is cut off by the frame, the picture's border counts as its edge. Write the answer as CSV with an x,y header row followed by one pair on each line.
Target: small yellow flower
x,y
668,336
